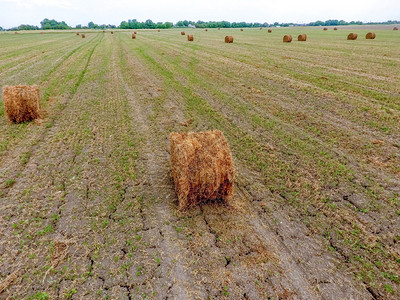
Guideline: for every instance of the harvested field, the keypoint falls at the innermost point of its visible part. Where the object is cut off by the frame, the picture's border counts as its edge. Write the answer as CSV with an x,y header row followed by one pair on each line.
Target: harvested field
x,y
88,208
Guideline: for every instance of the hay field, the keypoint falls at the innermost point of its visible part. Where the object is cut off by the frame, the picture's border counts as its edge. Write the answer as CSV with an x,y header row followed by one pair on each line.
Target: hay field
x,y
87,204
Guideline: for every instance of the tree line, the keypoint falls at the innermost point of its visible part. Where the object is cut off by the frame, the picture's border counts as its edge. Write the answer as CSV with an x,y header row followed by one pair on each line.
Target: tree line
x,y
47,24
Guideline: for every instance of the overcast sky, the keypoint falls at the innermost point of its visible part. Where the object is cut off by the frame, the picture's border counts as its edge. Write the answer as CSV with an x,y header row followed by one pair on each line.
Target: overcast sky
x,y
16,12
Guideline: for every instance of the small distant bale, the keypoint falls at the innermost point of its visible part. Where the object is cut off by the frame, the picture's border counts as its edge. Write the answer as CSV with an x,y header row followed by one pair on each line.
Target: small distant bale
x,y
325,28
335,28
302,37
352,36
229,39
287,38
42,32
15,32
134,32
77,33
260,28
269,30
83,35
241,29
190,37
104,31
370,36
112,32
202,167
219,28
182,33
395,28
158,30
21,102
133,36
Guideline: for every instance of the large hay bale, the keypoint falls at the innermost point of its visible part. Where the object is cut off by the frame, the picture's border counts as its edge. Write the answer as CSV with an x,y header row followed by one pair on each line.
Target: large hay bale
x,y
269,30
325,28
83,35
190,37
287,38
21,102
229,39
302,37
241,29
395,28
202,167
335,28
352,36
183,33
370,36
133,36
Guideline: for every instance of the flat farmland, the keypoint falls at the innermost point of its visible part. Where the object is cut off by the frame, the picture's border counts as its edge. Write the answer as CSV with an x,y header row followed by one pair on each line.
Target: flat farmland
x,y
87,203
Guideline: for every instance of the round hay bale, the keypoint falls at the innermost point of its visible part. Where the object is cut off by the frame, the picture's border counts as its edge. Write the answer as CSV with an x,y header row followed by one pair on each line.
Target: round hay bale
x,y
112,32
15,32
182,33
158,30
260,28
133,36
395,28
302,37
352,36
83,35
241,29
206,29
77,33
21,102
134,32
202,167
190,37
325,28
229,39
104,31
335,28
269,30
287,38
219,28
370,36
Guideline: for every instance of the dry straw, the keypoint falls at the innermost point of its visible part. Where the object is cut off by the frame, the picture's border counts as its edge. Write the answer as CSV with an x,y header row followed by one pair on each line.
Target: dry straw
x,y
182,33
352,36
202,167
302,37
287,38
370,36
190,37
229,39
21,102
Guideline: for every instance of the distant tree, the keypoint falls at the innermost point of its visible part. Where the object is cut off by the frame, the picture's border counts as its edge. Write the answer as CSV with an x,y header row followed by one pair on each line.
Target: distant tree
x,y
79,26
91,25
180,24
1,28
53,24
